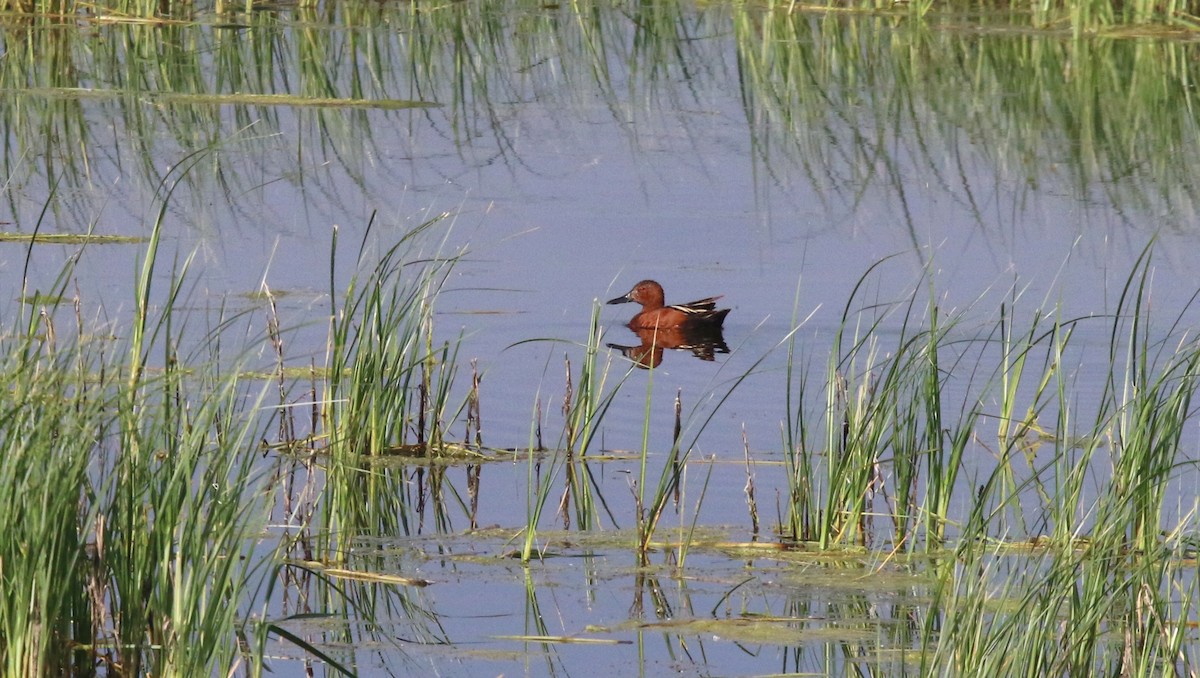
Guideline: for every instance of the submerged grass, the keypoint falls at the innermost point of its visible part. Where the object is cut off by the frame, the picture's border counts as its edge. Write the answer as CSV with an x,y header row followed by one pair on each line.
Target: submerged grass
x,y
890,85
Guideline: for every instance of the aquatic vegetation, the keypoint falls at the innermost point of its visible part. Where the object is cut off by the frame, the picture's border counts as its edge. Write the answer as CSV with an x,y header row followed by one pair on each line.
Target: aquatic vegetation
x,y
132,497
942,499
150,507
134,481
1073,528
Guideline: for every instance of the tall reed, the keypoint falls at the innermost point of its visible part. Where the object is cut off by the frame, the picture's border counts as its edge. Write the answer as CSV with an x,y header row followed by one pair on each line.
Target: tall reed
x,y
1091,578
585,404
387,390
886,435
132,500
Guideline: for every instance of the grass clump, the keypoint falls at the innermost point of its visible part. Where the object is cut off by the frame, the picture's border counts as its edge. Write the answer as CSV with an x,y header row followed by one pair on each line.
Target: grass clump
x,y
386,401
885,445
135,493
132,505
1057,545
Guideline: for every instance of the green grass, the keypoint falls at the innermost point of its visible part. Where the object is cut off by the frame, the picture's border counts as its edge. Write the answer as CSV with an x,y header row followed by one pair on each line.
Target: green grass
x,y
137,495
1070,556
1078,14
387,391
133,481
133,502
585,402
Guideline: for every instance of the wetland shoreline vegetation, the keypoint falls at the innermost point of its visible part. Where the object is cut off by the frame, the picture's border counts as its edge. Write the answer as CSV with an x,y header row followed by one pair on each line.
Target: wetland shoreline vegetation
x,y
176,504
140,474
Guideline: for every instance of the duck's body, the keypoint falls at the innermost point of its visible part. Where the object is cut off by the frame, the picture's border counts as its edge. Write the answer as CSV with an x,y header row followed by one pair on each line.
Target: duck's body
x,y
655,314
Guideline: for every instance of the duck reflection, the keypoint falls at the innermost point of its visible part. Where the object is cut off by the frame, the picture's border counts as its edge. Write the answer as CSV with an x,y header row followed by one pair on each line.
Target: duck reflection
x,y
703,342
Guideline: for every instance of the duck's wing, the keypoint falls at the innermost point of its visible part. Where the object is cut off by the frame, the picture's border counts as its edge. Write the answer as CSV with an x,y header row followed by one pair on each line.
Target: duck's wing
x,y
698,307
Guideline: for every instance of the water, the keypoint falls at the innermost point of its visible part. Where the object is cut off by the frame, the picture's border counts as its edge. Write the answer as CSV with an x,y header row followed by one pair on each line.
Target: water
x,y
574,159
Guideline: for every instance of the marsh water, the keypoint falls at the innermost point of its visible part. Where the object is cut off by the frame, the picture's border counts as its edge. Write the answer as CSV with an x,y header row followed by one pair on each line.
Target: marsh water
x,y
794,163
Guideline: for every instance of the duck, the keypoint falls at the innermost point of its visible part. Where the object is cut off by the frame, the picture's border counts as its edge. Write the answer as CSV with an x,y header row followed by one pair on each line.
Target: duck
x,y
655,314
